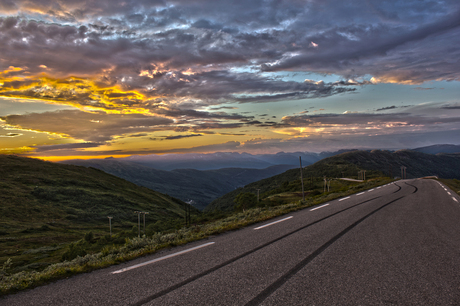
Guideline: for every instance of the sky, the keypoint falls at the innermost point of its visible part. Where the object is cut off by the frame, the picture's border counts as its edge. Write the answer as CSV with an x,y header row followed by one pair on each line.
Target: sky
x,y
92,79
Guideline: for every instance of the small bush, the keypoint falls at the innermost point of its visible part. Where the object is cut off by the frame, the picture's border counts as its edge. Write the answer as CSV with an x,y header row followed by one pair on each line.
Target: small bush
x,y
73,251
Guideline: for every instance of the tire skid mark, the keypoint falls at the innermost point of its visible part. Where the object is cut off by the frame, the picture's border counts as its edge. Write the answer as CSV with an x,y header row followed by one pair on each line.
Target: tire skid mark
x,y
215,268
398,187
283,279
416,189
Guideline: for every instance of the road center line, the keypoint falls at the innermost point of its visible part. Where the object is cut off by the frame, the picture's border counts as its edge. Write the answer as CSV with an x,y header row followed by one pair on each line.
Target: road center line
x,y
370,190
272,223
455,199
449,193
344,199
161,258
361,193
319,207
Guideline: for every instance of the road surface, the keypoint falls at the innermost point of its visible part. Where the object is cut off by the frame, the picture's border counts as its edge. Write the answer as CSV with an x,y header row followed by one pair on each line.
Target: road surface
x,y
397,244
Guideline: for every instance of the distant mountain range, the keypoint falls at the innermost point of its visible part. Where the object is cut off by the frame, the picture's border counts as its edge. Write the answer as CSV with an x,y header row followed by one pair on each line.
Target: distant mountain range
x,y
376,162
202,178
218,160
221,160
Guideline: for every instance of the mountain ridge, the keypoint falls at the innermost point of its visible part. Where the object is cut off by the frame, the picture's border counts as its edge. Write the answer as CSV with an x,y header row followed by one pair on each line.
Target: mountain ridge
x,y
198,187
375,162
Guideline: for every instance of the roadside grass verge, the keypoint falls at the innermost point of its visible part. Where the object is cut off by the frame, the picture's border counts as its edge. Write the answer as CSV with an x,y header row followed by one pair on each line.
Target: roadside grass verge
x,y
204,226
453,184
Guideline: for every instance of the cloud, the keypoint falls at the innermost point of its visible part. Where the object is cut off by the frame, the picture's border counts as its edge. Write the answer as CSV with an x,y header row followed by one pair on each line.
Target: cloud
x,y
386,108
133,67
119,45
177,137
67,146
11,135
95,127
338,121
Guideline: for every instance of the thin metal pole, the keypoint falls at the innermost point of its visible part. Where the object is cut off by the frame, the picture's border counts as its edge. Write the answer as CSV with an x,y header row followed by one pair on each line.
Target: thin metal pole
x,y
301,178
138,223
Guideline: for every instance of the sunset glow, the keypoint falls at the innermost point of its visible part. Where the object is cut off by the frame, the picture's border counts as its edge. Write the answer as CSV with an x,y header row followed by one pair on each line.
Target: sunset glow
x,y
107,78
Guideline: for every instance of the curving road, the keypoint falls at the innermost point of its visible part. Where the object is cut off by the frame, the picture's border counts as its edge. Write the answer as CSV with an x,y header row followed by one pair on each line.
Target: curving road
x,y
397,244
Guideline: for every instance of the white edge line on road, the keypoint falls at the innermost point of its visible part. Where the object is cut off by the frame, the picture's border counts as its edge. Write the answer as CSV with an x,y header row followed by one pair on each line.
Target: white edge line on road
x,y
344,199
319,207
455,199
361,193
273,223
161,258
370,190
449,193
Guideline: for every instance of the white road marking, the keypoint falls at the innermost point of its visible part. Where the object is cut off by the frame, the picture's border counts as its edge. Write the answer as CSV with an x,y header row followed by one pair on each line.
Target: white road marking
x,y
272,223
319,207
344,199
161,258
370,190
378,187
455,199
361,193
449,193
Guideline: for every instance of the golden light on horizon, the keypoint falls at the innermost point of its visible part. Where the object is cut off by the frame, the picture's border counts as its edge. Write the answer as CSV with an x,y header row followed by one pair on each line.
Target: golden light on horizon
x,y
82,93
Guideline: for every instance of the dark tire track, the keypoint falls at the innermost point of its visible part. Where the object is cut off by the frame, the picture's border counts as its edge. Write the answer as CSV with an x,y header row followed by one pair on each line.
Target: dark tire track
x,y
204,273
283,279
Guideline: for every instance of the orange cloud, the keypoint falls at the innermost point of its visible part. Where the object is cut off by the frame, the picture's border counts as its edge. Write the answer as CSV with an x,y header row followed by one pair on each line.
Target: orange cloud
x,y
85,94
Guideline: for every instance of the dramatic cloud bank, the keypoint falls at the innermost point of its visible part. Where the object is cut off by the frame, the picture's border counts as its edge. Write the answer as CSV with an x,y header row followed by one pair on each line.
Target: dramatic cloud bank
x,y
162,70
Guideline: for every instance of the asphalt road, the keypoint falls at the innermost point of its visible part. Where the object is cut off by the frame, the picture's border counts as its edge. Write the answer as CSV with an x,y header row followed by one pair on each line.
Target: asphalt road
x,y
398,244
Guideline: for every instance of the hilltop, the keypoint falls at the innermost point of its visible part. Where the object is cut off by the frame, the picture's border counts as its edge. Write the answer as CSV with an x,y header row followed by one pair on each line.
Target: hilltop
x,y
440,148
375,162
47,204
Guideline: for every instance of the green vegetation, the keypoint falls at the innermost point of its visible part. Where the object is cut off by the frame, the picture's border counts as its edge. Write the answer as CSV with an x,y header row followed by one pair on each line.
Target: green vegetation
x,y
285,187
53,218
46,208
185,184
244,200
453,184
94,250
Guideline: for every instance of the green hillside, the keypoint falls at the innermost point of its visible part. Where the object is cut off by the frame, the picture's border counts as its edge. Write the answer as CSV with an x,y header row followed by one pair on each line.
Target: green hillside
x,y
199,186
44,206
377,163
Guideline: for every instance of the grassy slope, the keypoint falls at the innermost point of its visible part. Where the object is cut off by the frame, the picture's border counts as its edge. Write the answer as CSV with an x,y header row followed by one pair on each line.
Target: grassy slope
x,y
205,226
376,163
201,186
45,205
